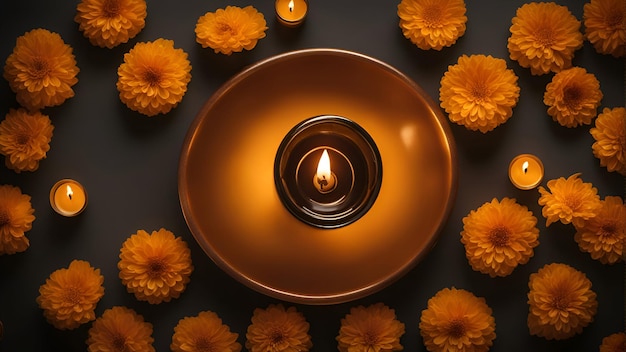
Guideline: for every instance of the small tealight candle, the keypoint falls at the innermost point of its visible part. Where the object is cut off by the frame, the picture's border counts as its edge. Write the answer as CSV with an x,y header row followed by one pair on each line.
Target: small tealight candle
x,y
291,12
526,171
68,197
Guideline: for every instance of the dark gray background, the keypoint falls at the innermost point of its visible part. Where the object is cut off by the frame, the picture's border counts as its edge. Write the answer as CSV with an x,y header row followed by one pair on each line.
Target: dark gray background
x,y
128,164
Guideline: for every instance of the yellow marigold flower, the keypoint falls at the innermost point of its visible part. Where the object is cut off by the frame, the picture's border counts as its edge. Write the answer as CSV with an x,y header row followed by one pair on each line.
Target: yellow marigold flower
x,y
41,70
108,23
455,320
569,201
278,329
614,343
120,329
479,92
16,218
561,302
25,139
70,295
604,235
153,77
605,26
544,37
204,332
155,267
432,24
372,328
231,29
499,236
610,139
573,97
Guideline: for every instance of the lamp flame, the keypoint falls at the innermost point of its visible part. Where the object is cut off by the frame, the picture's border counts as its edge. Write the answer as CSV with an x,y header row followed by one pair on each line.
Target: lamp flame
x,y
525,166
323,167
69,192
291,5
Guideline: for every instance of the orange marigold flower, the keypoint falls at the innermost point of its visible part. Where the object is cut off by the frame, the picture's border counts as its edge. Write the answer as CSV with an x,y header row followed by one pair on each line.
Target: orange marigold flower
x,y
605,26
231,29
544,37
204,332
153,77
610,139
604,235
25,139
70,295
432,24
499,236
120,329
614,343
278,329
372,328
16,218
569,201
573,97
561,302
41,70
455,320
479,92
108,23
155,267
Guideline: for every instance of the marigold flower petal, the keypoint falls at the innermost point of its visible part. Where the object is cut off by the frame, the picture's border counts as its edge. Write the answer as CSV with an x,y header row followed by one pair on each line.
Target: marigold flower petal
x,y
569,200
25,139
432,24
499,236
610,139
204,332
70,295
605,26
278,329
455,320
560,301
604,235
371,328
108,23
16,218
120,329
153,77
231,29
479,92
544,37
41,70
155,267
573,97
614,343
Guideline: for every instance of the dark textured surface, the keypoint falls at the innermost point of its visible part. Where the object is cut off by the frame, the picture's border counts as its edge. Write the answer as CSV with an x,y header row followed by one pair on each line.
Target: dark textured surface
x,y
128,164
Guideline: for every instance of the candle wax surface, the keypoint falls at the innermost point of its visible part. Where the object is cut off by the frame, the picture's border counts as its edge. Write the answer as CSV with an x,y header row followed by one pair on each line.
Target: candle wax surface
x,y
67,204
296,14
526,171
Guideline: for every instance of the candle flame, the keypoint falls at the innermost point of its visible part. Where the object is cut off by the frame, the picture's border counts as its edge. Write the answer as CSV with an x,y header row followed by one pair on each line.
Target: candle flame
x,y
291,4
69,191
323,167
525,166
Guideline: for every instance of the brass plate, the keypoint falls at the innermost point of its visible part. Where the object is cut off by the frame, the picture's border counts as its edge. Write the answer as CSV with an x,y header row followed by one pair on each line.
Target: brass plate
x,y
231,206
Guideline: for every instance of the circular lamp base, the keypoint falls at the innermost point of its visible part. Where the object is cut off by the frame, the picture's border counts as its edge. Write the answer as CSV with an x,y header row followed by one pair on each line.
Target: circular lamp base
x,y
356,166
231,204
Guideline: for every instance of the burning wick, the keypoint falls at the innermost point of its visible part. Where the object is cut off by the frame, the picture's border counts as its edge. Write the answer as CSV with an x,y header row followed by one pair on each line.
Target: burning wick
x,y
525,167
324,180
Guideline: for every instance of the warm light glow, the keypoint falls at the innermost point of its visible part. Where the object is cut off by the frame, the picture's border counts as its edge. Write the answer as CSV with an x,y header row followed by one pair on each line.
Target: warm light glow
x,y
324,179
69,192
291,4
525,166
323,167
